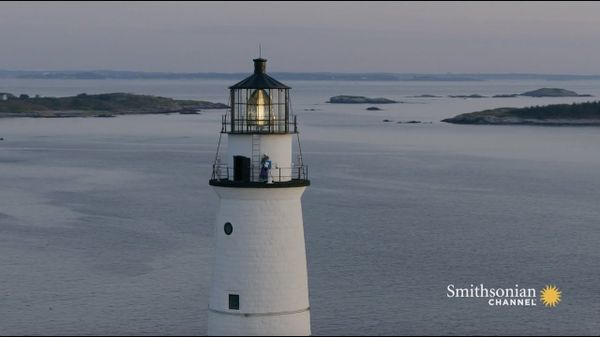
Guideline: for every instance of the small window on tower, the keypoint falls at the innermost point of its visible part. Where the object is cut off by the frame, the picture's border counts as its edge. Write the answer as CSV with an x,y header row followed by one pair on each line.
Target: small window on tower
x,y
234,302
228,228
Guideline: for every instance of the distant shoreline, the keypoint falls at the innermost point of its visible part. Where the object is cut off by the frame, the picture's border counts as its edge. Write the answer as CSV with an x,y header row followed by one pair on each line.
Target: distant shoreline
x,y
299,76
88,114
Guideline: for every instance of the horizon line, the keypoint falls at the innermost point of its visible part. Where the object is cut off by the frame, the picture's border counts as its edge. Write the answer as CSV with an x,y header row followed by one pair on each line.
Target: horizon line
x,y
301,72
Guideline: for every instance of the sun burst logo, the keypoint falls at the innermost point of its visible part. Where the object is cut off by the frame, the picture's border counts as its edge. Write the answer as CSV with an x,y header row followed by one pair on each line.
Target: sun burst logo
x,y
550,296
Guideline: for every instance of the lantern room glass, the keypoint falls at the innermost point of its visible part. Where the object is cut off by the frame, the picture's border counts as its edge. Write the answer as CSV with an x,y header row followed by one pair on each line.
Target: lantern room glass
x,y
259,110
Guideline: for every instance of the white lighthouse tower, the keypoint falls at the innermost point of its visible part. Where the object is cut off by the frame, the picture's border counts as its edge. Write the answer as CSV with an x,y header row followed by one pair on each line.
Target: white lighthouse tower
x,y
259,284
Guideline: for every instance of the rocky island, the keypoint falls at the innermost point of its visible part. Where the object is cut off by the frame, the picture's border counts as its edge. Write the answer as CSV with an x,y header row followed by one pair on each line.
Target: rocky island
x,y
345,99
101,105
552,92
576,114
467,96
543,92
426,96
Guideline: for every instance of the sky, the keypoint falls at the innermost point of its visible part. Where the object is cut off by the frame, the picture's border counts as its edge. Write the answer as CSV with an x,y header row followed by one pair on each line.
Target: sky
x,y
399,37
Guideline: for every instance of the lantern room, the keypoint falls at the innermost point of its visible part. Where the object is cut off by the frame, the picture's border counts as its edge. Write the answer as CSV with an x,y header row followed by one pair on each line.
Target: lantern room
x,y
260,131
259,105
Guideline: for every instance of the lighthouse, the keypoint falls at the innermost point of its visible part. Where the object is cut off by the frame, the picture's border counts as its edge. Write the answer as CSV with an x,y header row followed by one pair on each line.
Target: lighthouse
x,y
259,282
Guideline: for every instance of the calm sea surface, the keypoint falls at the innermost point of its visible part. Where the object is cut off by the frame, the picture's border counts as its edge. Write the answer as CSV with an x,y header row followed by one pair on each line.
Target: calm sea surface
x,y
106,224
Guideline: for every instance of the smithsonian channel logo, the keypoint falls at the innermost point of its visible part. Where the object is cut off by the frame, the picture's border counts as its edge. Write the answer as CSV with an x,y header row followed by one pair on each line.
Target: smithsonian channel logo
x,y
549,296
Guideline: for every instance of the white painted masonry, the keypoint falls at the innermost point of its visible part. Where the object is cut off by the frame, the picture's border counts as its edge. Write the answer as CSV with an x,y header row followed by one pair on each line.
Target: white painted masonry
x,y
277,146
263,261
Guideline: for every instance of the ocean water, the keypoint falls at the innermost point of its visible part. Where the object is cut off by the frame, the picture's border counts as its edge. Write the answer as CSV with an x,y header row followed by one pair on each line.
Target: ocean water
x,y
106,224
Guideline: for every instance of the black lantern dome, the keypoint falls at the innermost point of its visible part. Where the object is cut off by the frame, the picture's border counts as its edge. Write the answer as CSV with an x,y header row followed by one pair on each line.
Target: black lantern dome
x,y
260,79
260,104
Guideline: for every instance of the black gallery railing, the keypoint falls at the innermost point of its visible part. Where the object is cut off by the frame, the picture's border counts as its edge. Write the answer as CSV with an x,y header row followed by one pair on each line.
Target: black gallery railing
x,y
252,174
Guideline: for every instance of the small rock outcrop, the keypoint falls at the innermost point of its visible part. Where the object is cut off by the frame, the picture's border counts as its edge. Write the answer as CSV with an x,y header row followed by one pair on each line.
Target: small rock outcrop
x,y
345,99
